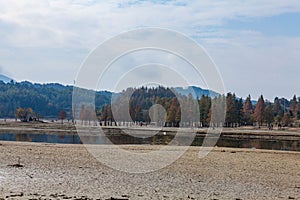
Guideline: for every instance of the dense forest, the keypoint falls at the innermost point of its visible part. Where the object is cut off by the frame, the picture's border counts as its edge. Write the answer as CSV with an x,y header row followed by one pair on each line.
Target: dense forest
x,y
45,100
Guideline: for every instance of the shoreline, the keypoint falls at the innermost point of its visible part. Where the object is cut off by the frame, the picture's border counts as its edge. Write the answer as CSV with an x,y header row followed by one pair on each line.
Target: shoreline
x,y
237,138
70,128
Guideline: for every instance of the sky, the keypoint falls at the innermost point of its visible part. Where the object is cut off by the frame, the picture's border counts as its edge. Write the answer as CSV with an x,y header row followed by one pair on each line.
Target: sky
x,y
254,44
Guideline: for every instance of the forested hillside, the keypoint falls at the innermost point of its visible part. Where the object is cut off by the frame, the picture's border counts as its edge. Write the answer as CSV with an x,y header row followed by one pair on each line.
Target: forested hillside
x,y
46,100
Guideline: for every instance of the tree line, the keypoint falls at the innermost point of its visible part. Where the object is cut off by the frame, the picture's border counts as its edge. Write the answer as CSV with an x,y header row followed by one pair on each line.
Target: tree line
x,y
28,101
239,112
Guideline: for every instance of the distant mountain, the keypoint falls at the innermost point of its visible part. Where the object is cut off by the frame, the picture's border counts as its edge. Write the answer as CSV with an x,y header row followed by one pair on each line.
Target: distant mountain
x,y
5,79
197,92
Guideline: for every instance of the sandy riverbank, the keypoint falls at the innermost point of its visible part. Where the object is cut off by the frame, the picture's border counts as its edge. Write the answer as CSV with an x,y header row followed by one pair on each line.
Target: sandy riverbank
x,y
54,171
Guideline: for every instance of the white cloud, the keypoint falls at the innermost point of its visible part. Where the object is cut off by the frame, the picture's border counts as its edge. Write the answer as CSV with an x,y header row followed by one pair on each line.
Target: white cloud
x,y
67,29
86,23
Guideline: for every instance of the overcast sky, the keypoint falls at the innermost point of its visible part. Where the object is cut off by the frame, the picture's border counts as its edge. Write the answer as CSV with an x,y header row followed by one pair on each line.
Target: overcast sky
x,y
255,44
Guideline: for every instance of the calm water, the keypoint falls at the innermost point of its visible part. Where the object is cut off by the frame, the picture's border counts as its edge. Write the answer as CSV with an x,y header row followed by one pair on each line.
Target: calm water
x,y
45,138
224,141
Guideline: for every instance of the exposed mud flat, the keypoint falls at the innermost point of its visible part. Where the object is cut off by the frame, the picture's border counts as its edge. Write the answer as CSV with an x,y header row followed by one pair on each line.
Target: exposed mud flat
x,y
57,171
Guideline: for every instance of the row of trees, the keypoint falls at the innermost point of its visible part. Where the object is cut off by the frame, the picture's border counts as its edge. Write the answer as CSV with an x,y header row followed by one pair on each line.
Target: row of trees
x,y
282,112
158,105
139,104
